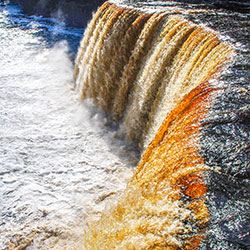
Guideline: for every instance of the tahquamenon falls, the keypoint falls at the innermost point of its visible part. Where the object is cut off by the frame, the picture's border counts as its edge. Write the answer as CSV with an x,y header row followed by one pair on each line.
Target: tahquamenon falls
x,y
156,74
169,79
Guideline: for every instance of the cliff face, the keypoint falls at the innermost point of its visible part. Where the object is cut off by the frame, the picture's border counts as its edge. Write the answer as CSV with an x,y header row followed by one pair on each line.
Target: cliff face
x,y
74,12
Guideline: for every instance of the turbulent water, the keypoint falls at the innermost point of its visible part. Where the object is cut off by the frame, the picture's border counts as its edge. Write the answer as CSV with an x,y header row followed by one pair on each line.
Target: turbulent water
x,y
58,159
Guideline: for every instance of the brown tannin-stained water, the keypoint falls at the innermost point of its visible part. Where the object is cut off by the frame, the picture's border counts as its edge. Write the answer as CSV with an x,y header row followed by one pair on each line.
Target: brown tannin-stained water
x,y
169,77
178,86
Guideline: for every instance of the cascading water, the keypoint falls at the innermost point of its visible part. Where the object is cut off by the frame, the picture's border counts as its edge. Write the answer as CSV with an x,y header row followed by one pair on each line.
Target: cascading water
x,y
164,203
176,88
175,55
156,74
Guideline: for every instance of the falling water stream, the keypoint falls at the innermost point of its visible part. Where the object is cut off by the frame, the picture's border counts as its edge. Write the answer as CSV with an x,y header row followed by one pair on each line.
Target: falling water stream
x,y
180,90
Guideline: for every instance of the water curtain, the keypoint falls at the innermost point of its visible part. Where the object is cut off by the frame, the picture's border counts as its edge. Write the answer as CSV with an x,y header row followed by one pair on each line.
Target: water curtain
x,y
138,66
152,73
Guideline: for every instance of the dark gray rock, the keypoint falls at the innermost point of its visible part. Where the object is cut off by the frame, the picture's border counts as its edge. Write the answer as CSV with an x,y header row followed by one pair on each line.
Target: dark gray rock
x,y
236,6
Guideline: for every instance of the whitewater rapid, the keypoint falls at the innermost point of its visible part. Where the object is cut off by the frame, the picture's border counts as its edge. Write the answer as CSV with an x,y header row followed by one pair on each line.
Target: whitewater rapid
x,y
59,160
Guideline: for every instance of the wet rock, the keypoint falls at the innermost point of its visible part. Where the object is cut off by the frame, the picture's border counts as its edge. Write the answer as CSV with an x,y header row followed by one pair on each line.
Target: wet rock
x,y
236,6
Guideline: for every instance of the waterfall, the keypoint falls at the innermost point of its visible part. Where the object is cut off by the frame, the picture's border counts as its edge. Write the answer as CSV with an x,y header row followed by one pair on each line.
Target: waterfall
x,y
156,75
155,155
138,66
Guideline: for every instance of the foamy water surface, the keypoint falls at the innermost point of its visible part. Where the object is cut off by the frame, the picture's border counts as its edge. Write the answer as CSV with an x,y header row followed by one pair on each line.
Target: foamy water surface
x,y
59,160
